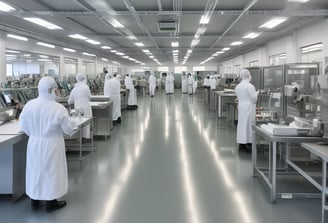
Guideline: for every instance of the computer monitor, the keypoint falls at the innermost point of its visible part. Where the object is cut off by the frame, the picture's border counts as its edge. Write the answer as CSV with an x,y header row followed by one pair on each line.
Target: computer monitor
x,y
7,98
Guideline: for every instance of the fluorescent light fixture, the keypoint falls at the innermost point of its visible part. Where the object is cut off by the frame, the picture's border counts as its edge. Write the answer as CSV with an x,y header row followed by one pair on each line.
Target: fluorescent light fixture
x,y
175,51
273,22
45,45
139,44
119,53
236,43
116,24
251,35
194,42
104,59
200,31
151,57
215,54
44,60
69,50
12,51
27,55
220,52
299,1
17,37
43,23
226,49
175,44
205,19
113,51
146,51
43,56
189,51
10,55
5,7
132,37
211,58
88,54
93,42
125,57
106,47
78,36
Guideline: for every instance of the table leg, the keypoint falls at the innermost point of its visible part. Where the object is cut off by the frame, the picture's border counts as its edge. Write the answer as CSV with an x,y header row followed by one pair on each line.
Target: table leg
x,y
323,191
270,162
80,142
274,165
254,152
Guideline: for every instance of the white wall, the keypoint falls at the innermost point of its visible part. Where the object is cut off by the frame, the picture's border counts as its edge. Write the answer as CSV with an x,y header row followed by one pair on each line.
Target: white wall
x,y
290,45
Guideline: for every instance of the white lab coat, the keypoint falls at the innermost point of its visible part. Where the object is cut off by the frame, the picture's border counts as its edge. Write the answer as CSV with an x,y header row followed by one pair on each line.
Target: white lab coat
x,y
169,84
212,83
247,98
80,96
184,84
45,121
206,82
190,85
113,91
152,85
132,99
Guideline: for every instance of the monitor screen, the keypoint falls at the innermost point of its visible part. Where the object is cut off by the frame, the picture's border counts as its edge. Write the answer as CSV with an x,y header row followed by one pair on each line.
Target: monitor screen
x,y
7,97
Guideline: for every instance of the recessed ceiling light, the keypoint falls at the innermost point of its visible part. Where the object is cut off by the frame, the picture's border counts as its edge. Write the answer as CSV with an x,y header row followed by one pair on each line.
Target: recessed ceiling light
x,y
5,7
44,60
219,52
273,22
175,51
69,50
139,44
106,47
205,19
146,51
299,1
236,43
151,57
43,23
43,56
251,35
226,49
120,54
116,24
88,54
132,37
104,59
189,51
27,55
78,36
93,42
17,37
125,57
113,51
175,44
194,42
46,45
12,51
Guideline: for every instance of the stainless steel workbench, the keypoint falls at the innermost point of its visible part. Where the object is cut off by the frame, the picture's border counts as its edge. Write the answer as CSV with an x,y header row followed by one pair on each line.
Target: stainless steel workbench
x,y
271,179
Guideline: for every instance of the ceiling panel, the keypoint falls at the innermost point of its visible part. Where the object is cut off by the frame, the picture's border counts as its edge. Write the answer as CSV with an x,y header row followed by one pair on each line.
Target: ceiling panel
x,y
194,5
63,5
219,23
269,5
117,5
144,5
232,5
28,5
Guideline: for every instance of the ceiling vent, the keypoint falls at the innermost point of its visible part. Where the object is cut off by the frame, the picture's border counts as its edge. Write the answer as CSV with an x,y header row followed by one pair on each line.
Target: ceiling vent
x,y
167,26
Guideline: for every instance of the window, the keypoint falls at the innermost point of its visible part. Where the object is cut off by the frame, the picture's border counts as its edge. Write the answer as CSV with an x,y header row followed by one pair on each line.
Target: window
x,y
179,70
277,59
9,69
254,63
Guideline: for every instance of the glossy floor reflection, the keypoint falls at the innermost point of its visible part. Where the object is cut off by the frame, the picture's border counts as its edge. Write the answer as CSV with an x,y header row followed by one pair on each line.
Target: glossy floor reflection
x,y
170,161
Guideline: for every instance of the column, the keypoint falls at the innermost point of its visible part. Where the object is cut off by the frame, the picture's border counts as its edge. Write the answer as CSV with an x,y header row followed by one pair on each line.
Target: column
x,y
3,73
62,72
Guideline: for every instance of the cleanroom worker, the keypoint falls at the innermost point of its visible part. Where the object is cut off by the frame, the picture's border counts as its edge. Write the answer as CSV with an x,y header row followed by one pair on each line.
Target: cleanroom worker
x,y
132,99
212,82
169,84
45,121
190,84
152,85
115,95
108,76
247,98
80,96
184,84
206,82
